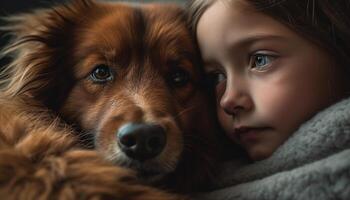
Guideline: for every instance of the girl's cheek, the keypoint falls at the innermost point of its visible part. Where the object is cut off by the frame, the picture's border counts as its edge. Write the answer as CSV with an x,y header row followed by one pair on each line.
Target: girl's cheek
x,y
226,122
220,91
224,118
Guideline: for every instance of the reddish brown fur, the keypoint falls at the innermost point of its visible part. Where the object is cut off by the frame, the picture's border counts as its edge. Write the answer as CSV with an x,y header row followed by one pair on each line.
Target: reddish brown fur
x,y
48,100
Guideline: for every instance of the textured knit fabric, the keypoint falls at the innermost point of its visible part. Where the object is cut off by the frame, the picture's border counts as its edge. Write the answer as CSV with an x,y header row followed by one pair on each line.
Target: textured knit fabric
x,y
314,163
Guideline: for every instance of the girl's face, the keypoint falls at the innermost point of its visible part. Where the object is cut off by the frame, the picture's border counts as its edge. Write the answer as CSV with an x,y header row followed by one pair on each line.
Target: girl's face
x,y
268,78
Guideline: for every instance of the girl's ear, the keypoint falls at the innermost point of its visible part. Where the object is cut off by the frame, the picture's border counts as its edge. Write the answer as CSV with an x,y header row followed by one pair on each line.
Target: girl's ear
x,y
39,40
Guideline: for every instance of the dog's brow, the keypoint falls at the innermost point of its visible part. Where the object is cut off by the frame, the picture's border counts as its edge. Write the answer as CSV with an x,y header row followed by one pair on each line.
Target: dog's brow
x,y
140,22
140,25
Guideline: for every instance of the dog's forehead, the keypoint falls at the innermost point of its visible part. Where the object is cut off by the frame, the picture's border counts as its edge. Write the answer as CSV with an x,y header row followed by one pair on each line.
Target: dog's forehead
x,y
127,22
148,28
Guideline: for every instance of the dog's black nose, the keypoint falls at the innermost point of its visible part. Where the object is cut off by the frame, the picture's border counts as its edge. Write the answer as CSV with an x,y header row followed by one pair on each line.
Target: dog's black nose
x,y
141,141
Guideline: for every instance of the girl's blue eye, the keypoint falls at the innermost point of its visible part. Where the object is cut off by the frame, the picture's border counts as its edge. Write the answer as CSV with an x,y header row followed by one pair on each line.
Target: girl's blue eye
x,y
260,61
216,77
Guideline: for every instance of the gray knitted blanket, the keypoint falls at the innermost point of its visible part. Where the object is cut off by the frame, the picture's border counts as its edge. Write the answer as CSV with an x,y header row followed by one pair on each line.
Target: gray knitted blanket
x,y
313,164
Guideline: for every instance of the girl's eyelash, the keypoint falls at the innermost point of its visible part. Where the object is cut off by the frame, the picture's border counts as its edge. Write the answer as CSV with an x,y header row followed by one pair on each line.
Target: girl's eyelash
x,y
215,76
261,61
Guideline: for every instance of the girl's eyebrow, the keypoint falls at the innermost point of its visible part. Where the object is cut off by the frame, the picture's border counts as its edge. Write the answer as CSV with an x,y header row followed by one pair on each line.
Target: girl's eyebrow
x,y
237,45
246,41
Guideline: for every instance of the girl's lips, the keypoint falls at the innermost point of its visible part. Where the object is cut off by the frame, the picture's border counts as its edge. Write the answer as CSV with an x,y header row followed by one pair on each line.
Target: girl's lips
x,y
247,134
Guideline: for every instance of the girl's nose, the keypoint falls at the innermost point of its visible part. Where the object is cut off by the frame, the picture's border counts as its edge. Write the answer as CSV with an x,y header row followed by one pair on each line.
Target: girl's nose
x,y
235,100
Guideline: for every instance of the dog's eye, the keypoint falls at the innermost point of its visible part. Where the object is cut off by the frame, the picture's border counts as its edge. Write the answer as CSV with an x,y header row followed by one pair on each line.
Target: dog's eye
x,y
101,74
179,77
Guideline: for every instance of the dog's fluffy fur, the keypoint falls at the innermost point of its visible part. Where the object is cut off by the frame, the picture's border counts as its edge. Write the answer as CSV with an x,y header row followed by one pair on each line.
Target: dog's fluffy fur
x,y
57,120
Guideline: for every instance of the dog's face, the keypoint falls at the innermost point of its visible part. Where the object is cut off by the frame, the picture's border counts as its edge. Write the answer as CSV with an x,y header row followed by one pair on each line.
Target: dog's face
x,y
127,77
135,85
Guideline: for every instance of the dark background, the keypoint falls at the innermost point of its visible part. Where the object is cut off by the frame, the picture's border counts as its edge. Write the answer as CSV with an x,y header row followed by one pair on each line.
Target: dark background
x,y
13,6
10,7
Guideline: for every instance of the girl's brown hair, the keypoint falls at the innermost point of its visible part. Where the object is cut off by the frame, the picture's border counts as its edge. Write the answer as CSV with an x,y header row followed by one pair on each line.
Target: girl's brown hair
x,y
325,22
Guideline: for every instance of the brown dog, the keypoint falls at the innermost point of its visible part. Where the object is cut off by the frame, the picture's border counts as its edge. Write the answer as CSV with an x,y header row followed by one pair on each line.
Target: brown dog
x,y
124,79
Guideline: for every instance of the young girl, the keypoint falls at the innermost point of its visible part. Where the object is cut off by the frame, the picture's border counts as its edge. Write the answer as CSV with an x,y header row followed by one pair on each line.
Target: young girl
x,y
275,64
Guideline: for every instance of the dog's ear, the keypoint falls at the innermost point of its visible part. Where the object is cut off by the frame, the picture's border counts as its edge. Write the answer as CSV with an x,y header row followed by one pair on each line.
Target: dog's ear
x,y
39,42
41,20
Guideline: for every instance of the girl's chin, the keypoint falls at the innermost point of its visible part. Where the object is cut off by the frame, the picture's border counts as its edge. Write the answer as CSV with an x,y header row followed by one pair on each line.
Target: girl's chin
x,y
258,153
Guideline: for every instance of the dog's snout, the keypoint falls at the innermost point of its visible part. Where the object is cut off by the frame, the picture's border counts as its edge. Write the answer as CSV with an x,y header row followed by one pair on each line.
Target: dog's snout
x,y
141,141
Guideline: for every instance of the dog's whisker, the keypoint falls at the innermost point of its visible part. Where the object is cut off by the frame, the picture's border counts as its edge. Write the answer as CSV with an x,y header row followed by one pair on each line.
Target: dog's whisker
x,y
86,139
190,140
169,166
185,111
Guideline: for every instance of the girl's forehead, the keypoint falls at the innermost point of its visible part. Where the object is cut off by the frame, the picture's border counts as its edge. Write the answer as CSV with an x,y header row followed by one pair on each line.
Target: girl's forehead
x,y
236,27
237,19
